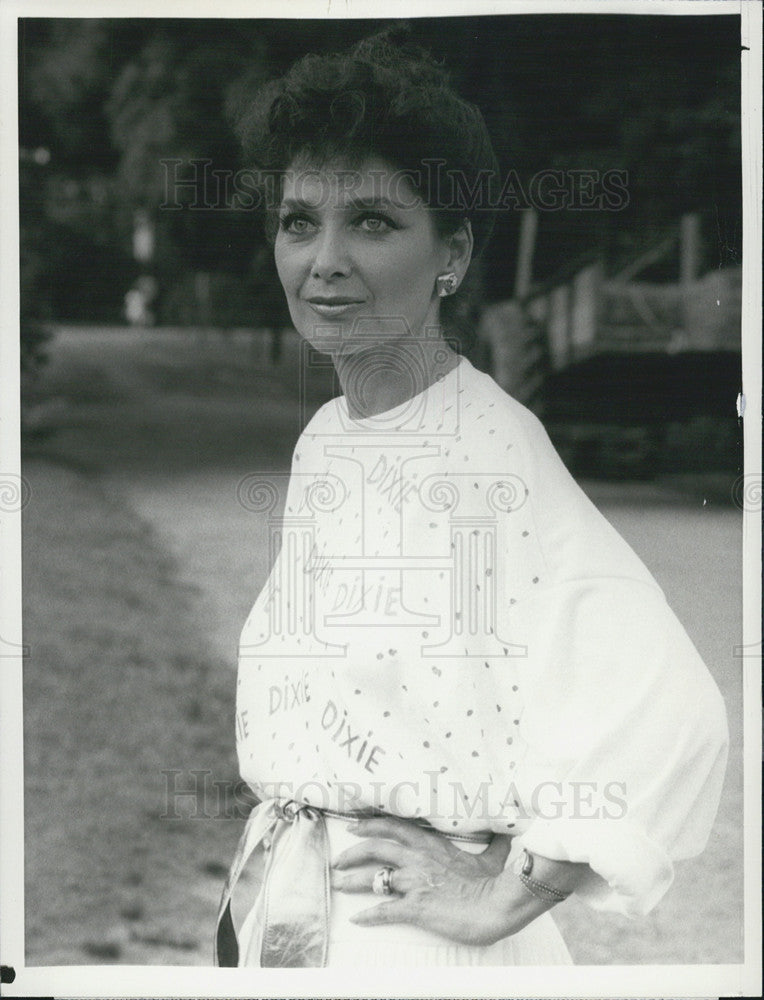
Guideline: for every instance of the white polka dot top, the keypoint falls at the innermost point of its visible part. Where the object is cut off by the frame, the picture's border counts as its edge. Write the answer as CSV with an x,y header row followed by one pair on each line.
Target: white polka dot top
x,y
452,631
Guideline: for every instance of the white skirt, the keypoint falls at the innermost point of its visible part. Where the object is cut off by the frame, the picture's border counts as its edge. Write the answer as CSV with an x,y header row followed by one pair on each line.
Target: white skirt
x,y
355,946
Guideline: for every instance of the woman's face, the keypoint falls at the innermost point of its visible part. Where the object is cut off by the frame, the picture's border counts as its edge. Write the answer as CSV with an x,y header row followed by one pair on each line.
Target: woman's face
x,y
358,255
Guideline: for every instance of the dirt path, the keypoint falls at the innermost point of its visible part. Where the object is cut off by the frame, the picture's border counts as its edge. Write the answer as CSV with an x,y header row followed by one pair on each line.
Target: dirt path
x,y
220,547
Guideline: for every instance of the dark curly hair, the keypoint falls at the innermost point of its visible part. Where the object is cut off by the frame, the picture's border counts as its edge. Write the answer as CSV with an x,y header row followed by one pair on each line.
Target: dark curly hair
x,y
386,98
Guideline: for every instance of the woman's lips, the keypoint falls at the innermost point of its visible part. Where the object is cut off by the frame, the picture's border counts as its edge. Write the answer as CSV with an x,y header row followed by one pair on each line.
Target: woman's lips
x,y
334,308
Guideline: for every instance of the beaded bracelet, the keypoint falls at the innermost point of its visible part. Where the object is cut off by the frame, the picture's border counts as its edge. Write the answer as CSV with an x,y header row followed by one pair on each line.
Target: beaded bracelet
x,y
540,890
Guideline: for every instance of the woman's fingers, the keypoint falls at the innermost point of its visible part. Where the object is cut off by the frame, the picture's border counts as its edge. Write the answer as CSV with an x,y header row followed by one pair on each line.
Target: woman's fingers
x,y
498,851
405,831
355,879
385,852
361,879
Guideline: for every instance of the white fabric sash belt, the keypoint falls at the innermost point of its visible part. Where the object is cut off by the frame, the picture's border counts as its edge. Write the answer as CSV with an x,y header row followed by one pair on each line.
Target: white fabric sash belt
x,y
288,846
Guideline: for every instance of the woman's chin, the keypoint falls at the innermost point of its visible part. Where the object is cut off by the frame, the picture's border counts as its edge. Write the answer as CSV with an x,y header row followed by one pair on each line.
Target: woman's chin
x,y
344,343
335,345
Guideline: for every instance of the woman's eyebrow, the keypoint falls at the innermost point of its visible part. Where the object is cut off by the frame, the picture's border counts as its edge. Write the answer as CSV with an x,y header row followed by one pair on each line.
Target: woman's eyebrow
x,y
374,201
299,203
353,204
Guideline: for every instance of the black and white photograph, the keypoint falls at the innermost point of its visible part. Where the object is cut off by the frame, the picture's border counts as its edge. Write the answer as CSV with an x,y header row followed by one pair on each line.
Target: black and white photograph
x,y
380,499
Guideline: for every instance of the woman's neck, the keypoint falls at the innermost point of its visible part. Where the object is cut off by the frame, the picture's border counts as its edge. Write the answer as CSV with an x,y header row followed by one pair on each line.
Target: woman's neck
x,y
378,378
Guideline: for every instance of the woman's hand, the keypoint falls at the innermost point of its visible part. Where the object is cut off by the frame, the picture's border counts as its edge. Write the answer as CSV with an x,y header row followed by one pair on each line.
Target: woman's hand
x,y
469,898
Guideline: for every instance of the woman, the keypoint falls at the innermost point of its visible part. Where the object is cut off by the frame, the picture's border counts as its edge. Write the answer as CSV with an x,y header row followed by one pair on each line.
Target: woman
x,y
461,695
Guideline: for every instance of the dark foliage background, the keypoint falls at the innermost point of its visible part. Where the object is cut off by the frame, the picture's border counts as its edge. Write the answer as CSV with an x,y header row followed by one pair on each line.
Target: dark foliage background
x,y
103,101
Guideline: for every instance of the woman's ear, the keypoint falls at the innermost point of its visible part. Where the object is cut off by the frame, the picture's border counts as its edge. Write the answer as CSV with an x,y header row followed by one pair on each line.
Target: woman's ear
x,y
460,246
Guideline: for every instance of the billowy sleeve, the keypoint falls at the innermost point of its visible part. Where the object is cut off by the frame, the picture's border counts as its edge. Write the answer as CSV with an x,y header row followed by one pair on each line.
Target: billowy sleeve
x,y
621,717
625,738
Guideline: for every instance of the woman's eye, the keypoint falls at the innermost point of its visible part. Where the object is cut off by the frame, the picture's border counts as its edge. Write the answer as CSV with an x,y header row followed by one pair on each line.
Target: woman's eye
x,y
377,223
296,224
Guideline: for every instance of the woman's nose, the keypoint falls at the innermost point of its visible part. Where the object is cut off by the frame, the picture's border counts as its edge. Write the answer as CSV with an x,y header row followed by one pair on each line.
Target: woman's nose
x,y
331,257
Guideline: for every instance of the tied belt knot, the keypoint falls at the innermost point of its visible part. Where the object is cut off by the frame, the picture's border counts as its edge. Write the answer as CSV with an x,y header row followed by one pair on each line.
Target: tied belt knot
x,y
291,915
287,847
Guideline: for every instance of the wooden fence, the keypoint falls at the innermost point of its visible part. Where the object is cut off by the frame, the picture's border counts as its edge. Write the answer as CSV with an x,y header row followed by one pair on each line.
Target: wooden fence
x,y
584,314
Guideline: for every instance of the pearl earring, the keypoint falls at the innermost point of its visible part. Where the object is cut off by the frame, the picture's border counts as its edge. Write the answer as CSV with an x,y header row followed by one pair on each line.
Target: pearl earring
x,y
446,284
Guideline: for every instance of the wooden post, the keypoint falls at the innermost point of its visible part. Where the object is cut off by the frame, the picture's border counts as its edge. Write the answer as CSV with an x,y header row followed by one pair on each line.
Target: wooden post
x,y
202,292
689,248
558,327
584,309
689,261
528,227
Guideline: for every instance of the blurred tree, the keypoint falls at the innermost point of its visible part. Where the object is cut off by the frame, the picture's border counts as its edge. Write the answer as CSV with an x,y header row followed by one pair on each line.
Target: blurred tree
x,y
178,154
128,108
72,263
35,263
64,70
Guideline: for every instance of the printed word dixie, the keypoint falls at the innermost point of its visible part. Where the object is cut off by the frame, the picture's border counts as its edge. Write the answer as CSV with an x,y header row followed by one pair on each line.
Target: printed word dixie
x,y
359,750
283,698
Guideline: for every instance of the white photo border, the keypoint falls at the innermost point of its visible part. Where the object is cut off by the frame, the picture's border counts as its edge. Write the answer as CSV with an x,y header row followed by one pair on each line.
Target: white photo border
x,y
177,981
